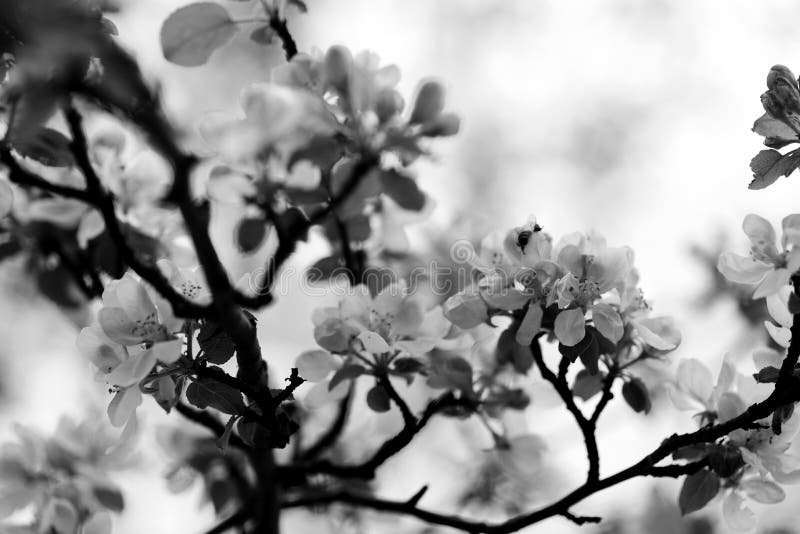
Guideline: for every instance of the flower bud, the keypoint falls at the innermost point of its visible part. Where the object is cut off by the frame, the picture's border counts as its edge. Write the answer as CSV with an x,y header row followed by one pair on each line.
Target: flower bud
x,y
428,104
783,91
388,103
338,68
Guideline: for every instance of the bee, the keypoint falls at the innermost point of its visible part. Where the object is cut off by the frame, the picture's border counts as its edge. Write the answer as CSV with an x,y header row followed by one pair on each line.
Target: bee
x,y
525,235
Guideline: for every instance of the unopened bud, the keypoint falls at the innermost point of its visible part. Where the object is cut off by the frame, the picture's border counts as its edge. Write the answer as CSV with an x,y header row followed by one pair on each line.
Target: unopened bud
x,y
338,66
428,104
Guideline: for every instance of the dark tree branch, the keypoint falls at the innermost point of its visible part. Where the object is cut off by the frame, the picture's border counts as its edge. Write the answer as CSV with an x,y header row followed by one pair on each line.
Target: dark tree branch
x,y
587,428
207,420
279,26
285,249
238,518
22,177
104,202
605,396
366,470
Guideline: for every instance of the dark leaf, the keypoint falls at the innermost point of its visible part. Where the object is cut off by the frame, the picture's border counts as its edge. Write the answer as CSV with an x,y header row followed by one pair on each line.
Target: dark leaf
x,y
724,460
794,303
697,491
402,190
250,233
216,344
208,393
263,35
768,374
407,364
221,491
325,268
636,395
322,151
509,351
587,385
367,187
346,372
769,165
45,145
111,498
258,436
378,399
588,350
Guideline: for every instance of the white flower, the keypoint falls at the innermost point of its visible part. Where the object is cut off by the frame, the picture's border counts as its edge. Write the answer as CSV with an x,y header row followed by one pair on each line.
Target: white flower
x,y
133,333
768,268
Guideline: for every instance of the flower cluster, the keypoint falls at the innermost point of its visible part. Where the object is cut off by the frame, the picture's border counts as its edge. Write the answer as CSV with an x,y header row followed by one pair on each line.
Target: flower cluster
x,y
767,268
748,463
135,333
366,335
577,290
62,479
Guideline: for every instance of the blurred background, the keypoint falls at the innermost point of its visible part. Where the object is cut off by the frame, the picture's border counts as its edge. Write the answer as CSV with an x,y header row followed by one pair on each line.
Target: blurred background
x,y
626,117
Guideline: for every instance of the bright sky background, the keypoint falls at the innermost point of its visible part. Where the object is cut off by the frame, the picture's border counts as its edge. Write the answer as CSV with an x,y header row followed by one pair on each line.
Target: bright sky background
x,y
631,118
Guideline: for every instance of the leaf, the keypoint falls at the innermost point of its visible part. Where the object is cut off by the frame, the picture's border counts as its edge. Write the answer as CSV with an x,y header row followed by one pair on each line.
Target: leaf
x,y
250,233
322,150
402,189
347,372
325,268
768,374
587,349
724,460
111,498
216,344
697,491
192,33
263,35
451,372
769,165
636,395
407,364
45,145
509,351
587,385
224,439
428,104
209,393
378,399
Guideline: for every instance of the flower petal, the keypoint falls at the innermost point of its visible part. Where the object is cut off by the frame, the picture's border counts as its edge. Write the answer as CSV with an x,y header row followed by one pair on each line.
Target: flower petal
x,y
570,327
772,283
315,365
763,491
373,343
132,370
737,514
608,321
782,336
123,405
760,231
742,269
